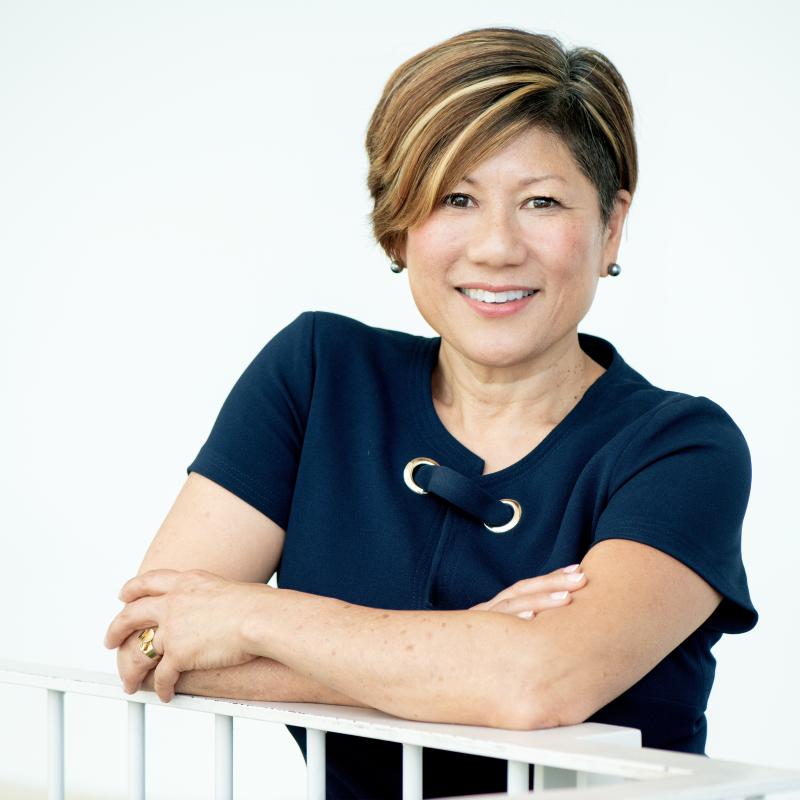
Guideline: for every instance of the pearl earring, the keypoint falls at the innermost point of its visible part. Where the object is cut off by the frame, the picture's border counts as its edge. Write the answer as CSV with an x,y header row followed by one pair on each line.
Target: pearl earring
x,y
614,269
396,267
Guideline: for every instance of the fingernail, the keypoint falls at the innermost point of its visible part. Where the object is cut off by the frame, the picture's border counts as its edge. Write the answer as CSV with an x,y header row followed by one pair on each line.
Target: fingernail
x,y
571,568
558,595
525,614
576,577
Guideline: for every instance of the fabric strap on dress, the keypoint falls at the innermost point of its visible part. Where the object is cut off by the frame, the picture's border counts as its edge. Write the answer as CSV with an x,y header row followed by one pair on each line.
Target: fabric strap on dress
x,y
463,492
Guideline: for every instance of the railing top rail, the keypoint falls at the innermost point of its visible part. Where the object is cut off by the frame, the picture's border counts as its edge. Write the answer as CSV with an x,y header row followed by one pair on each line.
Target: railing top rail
x,y
589,747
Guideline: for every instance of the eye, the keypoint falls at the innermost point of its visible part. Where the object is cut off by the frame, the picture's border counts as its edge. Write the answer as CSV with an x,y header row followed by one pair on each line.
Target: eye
x,y
552,202
457,200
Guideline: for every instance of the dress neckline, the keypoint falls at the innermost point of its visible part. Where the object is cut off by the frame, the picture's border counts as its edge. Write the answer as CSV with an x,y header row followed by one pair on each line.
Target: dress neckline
x,y
457,455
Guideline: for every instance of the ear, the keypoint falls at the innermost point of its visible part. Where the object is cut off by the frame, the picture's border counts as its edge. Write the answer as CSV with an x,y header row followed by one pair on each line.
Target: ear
x,y
613,232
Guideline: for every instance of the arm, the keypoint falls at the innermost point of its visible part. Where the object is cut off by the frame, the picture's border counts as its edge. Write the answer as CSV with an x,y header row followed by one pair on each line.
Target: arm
x,y
266,679
260,679
476,667
210,528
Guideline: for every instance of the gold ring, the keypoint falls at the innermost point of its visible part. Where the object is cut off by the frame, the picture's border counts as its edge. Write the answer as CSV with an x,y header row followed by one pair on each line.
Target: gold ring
x,y
408,473
146,642
515,518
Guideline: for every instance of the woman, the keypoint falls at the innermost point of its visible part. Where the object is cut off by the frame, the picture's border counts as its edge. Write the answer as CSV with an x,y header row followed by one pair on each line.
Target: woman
x,y
425,500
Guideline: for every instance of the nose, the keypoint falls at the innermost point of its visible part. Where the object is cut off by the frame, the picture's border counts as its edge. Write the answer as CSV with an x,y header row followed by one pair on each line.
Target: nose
x,y
495,239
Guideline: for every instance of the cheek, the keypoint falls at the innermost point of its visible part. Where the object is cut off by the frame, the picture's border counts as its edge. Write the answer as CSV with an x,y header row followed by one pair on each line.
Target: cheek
x,y
433,243
567,248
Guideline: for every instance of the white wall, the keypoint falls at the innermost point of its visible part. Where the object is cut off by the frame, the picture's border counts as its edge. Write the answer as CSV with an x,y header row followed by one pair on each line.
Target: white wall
x,y
158,223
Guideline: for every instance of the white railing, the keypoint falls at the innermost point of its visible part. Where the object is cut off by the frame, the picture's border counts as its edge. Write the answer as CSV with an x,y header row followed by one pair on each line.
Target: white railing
x,y
577,762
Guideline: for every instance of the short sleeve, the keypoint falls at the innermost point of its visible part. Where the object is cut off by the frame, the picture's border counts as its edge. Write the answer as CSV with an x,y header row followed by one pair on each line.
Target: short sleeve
x,y
254,446
682,484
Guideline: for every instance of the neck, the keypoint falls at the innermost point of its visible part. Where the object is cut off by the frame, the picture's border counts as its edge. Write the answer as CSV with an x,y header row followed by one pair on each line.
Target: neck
x,y
539,393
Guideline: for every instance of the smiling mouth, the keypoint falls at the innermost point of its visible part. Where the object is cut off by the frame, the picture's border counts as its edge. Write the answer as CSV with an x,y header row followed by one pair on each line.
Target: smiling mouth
x,y
486,296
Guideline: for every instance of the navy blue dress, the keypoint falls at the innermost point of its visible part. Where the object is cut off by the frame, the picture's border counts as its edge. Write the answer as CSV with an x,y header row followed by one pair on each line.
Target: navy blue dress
x,y
316,434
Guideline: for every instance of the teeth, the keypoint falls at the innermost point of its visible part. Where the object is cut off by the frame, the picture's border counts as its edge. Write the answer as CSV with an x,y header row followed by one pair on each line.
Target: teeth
x,y
496,297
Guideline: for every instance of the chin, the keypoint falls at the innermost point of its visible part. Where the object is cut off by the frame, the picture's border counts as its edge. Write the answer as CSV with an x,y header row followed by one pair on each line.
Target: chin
x,y
494,354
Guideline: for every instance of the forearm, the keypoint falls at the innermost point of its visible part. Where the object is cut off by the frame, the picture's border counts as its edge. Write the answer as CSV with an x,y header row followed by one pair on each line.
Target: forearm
x,y
439,666
259,679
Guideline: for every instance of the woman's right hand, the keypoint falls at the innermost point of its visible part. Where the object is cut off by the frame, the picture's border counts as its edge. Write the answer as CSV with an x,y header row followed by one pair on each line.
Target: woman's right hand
x,y
133,665
530,596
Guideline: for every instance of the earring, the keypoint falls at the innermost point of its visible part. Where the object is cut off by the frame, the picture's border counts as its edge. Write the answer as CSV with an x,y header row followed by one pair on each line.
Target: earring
x,y
396,267
614,269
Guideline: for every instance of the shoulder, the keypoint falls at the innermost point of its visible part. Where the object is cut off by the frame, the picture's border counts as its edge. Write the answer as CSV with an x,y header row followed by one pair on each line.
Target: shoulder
x,y
340,338
329,323
340,351
649,430
638,412
671,411
334,333
686,453
686,430
678,419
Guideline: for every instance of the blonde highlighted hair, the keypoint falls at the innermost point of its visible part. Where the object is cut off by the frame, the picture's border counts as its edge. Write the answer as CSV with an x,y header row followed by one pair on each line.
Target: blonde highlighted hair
x,y
449,107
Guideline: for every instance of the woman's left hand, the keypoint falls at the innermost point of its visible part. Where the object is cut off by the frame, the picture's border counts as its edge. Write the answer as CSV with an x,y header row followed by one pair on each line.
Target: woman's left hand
x,y
531,596
198,619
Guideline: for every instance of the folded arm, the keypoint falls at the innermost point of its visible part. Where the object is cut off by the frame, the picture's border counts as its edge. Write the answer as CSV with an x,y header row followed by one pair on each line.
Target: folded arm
x,y
470,666
477,667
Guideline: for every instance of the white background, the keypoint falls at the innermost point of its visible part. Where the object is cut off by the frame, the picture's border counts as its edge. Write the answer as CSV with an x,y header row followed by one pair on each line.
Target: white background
x,y
179,180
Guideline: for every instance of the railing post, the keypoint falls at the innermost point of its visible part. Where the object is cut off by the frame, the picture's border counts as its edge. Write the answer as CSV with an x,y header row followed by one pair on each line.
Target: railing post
x,y
223,761
136,772
553,778
315,763
55,745
412,772
517,777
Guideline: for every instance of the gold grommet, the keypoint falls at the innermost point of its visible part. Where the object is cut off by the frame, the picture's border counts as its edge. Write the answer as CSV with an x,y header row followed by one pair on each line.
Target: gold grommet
x,y
512,522
408,473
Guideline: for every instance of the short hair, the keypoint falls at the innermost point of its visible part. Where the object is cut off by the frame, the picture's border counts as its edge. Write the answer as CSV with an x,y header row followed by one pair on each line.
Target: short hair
x,y
449,107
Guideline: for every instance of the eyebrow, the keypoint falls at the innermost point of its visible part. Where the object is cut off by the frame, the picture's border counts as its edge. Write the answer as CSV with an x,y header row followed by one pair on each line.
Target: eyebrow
x,y
525,181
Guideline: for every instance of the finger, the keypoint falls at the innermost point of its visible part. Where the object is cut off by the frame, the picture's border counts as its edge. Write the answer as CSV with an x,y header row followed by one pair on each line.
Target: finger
x,y
124,668
540,601
555,582
133,665
140,614
550,582
165,678
144,664
153,582
566,577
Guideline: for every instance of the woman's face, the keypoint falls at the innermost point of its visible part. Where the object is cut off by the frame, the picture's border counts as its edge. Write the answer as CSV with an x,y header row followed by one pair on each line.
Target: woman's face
x,y
525,219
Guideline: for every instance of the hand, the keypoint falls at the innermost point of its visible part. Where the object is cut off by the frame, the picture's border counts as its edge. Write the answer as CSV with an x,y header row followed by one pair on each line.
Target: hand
x,y
530,596
198,618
